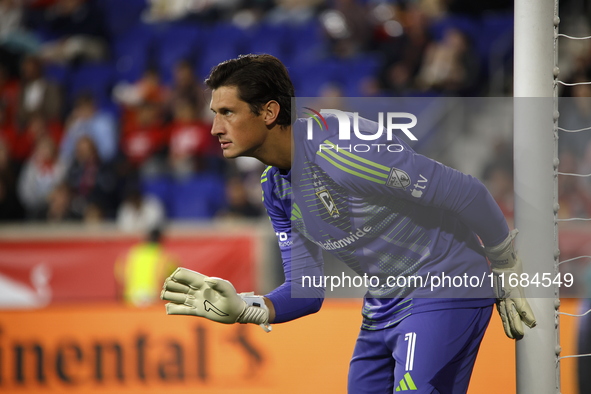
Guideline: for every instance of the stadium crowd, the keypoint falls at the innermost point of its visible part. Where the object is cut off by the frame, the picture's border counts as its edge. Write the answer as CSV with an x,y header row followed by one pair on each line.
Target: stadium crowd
x,y
103,115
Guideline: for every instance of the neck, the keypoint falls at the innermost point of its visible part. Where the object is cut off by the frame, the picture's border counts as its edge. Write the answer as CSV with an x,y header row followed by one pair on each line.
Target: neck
x,y
277,151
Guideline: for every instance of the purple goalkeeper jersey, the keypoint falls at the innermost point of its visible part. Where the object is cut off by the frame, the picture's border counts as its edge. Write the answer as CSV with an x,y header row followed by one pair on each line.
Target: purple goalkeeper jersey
x,y
391,214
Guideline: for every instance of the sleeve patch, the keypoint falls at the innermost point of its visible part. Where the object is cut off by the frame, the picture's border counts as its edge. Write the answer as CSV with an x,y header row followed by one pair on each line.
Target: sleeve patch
x,y
398,179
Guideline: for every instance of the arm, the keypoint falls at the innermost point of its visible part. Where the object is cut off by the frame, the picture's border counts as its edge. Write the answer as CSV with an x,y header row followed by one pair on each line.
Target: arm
x,y
467,198
471,202
416,178
192,293
424,181
299,257
291,300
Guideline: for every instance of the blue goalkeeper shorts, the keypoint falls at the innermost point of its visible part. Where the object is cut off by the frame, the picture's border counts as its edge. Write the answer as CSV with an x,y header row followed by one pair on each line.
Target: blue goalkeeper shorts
x,y
427,352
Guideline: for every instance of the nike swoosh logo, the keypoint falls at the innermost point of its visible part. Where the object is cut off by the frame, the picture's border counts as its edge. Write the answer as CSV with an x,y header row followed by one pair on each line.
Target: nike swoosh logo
x,y
211,307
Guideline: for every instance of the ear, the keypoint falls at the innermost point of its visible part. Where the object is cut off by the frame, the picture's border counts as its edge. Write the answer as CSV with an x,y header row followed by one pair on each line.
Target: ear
x,y
271,112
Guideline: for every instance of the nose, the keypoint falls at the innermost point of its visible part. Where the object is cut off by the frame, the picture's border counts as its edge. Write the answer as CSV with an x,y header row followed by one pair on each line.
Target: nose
x,y
216,127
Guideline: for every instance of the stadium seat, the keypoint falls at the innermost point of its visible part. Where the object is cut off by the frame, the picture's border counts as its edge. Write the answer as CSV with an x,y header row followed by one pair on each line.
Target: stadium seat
x,y
219,43
174,42
467,25
198,197
353,71
495,41
121,15
309,79
57,73
306,44
96,78
132,52
160,187
495,29
267,38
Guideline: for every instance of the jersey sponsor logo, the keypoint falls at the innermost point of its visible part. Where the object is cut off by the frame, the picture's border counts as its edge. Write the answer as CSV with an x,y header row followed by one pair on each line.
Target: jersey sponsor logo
x,y
346,241
398,179
419,187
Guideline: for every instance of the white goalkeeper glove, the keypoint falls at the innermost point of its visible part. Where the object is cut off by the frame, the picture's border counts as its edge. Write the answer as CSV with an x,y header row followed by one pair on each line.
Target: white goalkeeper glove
x,y
511,302
192,293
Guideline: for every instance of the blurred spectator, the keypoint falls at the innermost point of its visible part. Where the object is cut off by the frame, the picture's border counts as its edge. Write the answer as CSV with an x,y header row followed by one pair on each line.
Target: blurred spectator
x,y
10,207
450,66
165,11
207,11
87,120
348,27
22,143
92,182
572,196
9,95
145,144
59,207
139,212
15,40
78,30
186,87
238,204
38,94
142,270
94,214
148,89
8,131
40,175
294,12
401,37
190,141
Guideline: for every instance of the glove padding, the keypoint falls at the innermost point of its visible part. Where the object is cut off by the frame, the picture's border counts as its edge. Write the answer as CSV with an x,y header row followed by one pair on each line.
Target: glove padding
x,y
192,293
511,302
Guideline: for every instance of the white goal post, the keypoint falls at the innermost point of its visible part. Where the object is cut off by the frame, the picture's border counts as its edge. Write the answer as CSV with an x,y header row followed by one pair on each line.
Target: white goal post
x,y
535,152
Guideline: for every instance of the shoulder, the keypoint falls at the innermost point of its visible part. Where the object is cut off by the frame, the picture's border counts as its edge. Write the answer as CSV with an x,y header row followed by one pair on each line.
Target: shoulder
x,y
267,177
268,183
274,184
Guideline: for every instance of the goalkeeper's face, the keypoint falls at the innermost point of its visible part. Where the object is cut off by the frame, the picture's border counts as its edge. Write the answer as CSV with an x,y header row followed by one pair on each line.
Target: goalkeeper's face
x,y
239,131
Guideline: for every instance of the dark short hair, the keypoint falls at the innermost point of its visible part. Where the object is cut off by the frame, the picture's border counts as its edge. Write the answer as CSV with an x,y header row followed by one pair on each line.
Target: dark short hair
x,y
259,79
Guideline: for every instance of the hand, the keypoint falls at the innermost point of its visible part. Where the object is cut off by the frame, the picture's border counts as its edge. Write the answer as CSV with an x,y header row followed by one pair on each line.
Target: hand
x,y
192,293
511,302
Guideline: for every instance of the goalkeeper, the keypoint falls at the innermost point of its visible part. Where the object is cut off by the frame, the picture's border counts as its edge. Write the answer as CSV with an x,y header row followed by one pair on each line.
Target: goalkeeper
x,y
382,213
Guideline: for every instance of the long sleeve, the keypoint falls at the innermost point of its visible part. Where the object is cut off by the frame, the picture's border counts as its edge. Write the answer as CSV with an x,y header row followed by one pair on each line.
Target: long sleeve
x,y
300,258
424,181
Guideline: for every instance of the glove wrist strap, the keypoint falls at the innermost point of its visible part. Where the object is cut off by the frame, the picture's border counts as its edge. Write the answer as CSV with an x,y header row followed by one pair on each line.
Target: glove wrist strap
x,y
256,311
502,255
